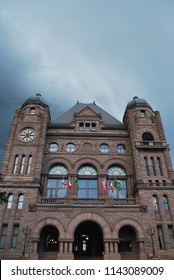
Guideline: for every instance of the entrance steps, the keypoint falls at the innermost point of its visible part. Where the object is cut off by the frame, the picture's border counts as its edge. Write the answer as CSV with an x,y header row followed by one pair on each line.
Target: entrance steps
x,y
47,255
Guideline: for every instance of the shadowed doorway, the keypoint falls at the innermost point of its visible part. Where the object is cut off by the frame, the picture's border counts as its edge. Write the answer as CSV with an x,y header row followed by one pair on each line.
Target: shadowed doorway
x,y
48,245
88,241
128,246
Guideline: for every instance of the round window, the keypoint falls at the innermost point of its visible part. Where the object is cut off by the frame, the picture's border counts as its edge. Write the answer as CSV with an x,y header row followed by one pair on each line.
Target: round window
x,y
70,148
53,147
104,148
120,149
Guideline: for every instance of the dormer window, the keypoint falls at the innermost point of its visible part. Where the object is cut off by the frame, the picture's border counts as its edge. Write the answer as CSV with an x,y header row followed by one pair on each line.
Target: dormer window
x,y
93,126
87,126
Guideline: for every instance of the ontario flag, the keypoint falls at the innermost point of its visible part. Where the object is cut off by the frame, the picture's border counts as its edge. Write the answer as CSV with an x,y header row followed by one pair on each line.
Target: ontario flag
x,y
117,185
104,184
75,183
111,185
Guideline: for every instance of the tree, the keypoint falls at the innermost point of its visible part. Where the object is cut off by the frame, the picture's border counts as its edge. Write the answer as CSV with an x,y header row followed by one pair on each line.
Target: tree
x,y
3,197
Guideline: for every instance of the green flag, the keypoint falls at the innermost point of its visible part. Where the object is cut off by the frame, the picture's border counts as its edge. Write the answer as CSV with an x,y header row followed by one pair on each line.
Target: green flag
x,y
75,183
117,185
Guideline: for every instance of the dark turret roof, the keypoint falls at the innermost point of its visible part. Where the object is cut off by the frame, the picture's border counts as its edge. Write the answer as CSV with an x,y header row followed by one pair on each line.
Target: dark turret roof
x,y
37,99
137,102
65,120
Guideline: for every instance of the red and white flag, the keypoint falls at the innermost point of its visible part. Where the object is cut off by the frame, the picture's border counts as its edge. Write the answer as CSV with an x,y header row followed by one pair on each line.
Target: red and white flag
x,y
111,186
104,184
64,184
70,186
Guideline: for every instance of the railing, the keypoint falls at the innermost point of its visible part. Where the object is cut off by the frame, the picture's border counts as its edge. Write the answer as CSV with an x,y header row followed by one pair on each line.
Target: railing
x,y
93,202
150,144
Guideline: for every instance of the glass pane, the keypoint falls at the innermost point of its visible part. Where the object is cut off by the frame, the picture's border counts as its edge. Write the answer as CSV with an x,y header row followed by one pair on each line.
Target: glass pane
x,y
93,183
48,193
82,193
52,183
82,184
92,193
122,193
62,192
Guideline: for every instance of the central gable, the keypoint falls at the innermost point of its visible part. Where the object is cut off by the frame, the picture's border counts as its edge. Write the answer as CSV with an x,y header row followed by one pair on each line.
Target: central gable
x,y
87,112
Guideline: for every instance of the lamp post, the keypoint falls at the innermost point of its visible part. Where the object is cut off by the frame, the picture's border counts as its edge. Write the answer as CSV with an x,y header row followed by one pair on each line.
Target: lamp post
x,y
151,232
26,232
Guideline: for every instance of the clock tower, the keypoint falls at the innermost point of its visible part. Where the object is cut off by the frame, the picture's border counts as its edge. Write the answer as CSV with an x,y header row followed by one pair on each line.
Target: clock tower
x,y
24,151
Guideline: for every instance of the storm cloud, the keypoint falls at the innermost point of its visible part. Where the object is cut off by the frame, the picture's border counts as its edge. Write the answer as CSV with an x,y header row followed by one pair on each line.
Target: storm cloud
x,y
107,51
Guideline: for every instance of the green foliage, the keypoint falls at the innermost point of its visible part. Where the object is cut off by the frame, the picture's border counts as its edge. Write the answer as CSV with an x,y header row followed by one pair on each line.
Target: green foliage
x,y
3,197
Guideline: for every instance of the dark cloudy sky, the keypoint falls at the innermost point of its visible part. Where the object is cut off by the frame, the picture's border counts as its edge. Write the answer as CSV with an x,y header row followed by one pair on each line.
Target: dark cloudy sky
x,y
103,50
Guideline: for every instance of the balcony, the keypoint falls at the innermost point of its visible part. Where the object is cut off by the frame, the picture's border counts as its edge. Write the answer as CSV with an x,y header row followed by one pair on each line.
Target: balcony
x,y
88,202
150,145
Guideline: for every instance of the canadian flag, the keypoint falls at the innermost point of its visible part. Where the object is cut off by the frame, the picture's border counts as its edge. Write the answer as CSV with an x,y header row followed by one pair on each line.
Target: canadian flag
x,y
64,184
104,184
70,186
111,186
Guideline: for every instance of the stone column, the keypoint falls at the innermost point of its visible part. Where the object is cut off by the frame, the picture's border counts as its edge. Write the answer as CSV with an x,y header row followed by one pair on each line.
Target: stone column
x,y
34,254
142,254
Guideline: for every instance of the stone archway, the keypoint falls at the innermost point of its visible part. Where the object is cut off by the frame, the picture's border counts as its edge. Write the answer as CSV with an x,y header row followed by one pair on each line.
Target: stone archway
x,y
88,216
48,243
38,231
88,241
97,224
130,236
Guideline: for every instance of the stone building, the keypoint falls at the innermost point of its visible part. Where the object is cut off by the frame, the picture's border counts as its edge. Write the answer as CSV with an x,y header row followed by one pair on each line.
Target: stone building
x,y
87,186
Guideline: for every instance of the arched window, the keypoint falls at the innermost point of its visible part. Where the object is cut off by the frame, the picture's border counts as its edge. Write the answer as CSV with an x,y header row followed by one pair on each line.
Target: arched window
x,y
155,202
146,166
15,164
58,170
20,201
88,183
56,175
10,201
165,203
152,166
29,164
87,170
22,164
159,166
117,185
147,136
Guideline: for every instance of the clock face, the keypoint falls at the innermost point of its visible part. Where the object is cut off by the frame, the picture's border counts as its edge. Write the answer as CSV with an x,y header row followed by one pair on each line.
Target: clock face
x,y
27,134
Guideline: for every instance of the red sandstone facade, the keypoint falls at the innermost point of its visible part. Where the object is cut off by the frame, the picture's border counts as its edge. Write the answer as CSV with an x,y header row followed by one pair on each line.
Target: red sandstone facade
x,y
92,220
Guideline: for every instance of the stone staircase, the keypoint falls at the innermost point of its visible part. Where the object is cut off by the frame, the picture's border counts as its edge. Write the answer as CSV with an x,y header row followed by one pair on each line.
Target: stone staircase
x,y
47,255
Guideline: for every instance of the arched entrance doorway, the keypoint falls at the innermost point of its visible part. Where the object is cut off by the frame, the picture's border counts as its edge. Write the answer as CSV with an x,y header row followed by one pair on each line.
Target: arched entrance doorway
x,y
48,245
88,241
128,245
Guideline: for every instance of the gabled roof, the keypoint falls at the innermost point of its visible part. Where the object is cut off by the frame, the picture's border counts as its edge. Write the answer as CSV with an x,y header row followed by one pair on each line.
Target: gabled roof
x,y
65,120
